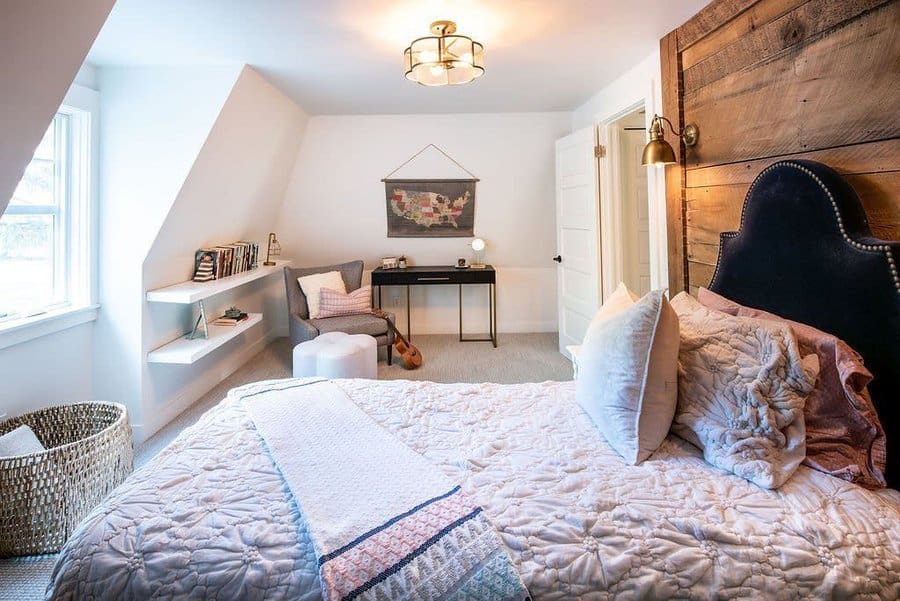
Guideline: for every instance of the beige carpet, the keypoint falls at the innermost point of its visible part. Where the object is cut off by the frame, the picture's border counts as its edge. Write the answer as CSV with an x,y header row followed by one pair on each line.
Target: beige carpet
x,y
519,358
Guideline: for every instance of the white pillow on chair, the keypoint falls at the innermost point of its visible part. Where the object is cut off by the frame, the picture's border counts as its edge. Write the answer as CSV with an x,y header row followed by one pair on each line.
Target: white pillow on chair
x,y
312,284
628,372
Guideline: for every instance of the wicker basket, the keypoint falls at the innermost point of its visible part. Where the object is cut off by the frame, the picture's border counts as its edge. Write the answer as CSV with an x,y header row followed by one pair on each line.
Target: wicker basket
x,y
44,495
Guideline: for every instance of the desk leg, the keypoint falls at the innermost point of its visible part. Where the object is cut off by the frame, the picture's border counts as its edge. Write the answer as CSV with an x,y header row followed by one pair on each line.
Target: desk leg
x,y
379,296
408,330
460,312
493,311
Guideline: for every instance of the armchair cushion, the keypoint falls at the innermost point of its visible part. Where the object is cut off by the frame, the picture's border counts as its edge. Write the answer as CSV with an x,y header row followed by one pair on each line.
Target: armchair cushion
x,y
352,324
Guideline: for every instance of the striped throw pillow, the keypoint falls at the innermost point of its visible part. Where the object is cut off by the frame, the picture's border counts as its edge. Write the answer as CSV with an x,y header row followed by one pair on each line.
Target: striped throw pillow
x,y
333,303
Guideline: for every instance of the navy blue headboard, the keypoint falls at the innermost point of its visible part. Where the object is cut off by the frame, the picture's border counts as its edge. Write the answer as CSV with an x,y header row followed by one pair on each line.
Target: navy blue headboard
x,y
805,251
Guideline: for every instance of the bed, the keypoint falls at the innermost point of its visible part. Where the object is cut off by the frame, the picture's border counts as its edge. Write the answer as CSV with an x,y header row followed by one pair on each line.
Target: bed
x,y
213,517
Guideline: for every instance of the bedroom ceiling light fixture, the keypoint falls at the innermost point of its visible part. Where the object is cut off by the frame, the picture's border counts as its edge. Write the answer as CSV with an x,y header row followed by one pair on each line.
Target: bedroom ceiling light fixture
x,y
444,59
658,152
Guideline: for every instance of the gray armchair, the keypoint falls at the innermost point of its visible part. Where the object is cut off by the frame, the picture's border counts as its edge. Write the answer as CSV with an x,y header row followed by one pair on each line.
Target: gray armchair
x,y
303,328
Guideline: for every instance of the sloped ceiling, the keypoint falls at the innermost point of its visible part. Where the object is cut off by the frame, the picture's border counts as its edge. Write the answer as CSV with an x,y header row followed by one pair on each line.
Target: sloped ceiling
x,y
42,45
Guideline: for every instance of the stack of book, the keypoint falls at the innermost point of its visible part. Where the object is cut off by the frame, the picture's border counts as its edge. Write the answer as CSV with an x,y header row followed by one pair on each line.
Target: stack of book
x,y
228,320
222,261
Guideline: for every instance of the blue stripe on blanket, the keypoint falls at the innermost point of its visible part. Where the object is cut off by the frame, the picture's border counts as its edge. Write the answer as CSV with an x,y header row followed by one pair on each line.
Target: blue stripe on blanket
x,y
377,529
400,564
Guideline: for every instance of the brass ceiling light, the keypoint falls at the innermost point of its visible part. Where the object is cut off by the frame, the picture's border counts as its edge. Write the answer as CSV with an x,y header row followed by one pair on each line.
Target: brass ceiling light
x,y
659,152
444,59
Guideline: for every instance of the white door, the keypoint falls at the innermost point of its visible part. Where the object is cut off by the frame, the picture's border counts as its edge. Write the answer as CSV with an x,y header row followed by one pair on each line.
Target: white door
x,y
635,214
577,225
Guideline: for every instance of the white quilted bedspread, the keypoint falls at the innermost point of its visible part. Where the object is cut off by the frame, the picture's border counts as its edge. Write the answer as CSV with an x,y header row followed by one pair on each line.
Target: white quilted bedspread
x,y
210,517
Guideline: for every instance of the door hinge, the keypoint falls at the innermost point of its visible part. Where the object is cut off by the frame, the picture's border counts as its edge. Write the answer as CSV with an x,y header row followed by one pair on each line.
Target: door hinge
x,y
599,151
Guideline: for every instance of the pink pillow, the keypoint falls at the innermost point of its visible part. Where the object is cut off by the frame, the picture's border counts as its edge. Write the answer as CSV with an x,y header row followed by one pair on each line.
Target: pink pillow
x,y
333,303
844,436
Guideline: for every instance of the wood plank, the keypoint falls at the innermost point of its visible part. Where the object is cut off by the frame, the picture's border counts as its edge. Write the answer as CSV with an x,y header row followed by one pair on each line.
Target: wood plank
x,y
709,212
670,69
714,209
880,197
748,21
868,157
804,23
703,252
709,19
818,98
700,273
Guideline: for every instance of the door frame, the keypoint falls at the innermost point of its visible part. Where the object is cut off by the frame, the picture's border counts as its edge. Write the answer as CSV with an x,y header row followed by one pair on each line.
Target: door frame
x,y
611,251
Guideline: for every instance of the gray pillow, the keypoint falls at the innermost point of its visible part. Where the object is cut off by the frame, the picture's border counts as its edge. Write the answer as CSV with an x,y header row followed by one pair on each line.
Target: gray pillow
x,y
627,373
742,385
20,441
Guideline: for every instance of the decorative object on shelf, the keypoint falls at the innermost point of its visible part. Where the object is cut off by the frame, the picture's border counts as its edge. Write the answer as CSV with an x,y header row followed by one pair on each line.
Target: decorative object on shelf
x,y
205,269
273,249
222,261
233,316
389,262
444,59
461,263
658,152
430,208
201,326
478,245
401,262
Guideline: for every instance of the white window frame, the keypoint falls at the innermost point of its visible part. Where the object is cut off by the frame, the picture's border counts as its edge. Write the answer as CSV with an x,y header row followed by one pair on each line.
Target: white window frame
x,y
79,276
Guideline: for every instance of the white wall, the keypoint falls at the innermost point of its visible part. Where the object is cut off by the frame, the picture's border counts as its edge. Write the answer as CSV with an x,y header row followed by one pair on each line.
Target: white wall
x,y
42,45
49,370
639,85
233,192
334,209
154,121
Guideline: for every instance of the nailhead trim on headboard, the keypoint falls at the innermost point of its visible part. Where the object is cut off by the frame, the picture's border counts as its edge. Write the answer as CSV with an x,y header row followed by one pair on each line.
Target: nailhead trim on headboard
x,y
892,264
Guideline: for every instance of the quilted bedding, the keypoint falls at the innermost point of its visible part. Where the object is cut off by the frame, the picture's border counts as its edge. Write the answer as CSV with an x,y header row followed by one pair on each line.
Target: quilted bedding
x,y
210,517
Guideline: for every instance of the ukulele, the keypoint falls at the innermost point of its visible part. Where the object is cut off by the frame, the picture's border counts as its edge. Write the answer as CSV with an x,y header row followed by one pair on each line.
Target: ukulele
x,y
409,354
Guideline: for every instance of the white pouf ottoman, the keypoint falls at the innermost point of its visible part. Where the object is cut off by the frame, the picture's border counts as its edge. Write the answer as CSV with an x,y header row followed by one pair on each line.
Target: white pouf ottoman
x,y
337,355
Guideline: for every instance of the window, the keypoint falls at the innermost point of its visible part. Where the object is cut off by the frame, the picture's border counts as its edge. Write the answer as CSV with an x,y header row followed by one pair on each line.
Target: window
x,y
46,249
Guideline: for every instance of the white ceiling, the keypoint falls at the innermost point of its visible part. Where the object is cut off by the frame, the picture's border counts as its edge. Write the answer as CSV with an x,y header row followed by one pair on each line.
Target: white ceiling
x,y
345,56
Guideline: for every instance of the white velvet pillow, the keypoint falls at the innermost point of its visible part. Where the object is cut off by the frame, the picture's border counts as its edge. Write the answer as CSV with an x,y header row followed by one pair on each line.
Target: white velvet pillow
x,y
742,386
20,441
312,284
627,372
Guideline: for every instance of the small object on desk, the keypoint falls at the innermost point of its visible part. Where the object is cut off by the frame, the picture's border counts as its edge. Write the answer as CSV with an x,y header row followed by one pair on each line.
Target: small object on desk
x,y
461,263
401,262
478,246
389,262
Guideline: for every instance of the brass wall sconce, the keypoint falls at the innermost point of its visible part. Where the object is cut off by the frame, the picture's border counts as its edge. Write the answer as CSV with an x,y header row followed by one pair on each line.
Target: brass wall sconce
x,y
659,152
273,249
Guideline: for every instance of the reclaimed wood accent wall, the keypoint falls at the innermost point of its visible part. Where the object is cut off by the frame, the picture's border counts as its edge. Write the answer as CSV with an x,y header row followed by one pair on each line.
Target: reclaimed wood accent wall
x,y
772,79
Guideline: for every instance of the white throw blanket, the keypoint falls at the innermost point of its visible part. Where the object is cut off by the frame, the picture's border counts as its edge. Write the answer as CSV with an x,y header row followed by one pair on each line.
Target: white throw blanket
x,y
386,524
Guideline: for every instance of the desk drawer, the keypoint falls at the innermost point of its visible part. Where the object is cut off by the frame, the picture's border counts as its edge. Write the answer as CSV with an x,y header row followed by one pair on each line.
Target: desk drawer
x,y
424,278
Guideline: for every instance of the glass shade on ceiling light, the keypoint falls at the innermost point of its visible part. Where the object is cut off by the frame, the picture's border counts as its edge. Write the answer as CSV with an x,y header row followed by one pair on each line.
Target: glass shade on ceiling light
x,y
443,60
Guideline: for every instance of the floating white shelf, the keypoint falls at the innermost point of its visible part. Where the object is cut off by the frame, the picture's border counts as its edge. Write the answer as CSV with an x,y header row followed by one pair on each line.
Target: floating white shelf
x,y
189,292
185,351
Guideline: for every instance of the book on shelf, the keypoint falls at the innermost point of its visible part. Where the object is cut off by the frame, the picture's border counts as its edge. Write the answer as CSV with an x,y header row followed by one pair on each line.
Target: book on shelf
x,y
225,260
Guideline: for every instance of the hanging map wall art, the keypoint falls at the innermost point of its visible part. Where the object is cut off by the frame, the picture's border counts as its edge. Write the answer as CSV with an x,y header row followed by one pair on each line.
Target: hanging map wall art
x,y
430,208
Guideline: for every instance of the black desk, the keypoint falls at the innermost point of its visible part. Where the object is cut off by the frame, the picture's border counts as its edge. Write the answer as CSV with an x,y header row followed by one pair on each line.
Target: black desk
x,y
442,275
